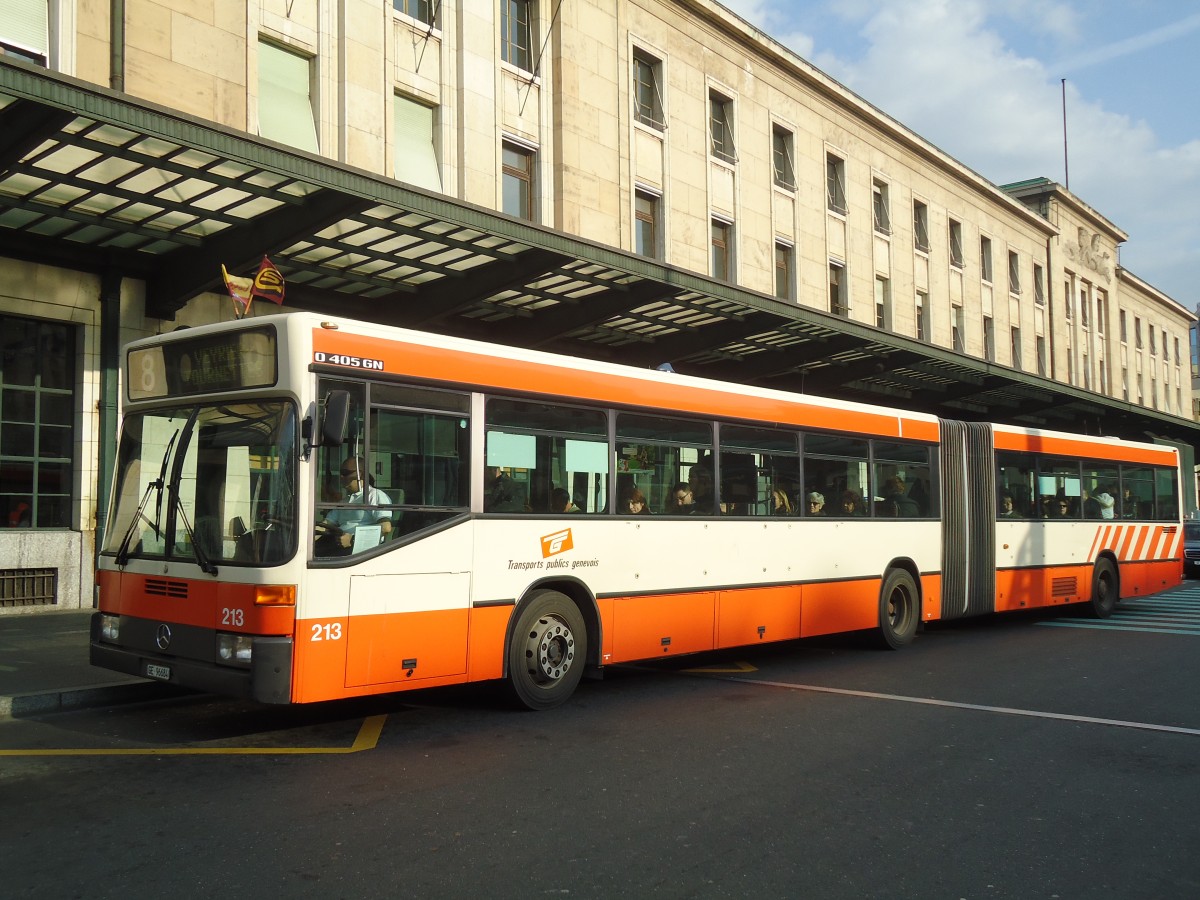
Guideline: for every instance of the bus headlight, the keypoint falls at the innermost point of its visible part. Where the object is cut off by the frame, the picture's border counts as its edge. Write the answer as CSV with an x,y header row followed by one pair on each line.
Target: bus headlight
x,y
110,628
234,649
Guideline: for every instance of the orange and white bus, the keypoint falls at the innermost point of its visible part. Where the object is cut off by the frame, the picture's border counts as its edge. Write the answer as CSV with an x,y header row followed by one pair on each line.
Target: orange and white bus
x,y
307,508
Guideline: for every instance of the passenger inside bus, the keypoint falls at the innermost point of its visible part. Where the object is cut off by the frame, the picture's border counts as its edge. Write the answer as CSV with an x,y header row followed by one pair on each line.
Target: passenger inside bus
x,y
336,532
681,503
852,504
634,503
701,480
561,502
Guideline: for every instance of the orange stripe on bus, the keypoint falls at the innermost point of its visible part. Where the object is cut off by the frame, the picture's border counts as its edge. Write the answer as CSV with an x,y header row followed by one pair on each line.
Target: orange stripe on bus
x,y
1127,535
1139,548
1065,445
438,364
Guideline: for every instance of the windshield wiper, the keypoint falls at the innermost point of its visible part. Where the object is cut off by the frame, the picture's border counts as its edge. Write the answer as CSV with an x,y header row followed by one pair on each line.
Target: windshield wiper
x,y
140,515
175,507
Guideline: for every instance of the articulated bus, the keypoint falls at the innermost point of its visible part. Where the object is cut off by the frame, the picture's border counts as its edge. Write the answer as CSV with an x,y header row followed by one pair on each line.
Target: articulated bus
x,y
309,508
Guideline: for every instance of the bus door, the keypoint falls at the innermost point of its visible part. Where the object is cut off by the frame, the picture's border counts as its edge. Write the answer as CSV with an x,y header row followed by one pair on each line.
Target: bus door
x,y
968,486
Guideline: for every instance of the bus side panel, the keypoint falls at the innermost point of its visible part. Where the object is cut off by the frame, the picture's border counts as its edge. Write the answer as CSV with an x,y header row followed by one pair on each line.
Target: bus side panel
x,y
662,625
403,647
765,614
319,659
488,630
931,594
833,607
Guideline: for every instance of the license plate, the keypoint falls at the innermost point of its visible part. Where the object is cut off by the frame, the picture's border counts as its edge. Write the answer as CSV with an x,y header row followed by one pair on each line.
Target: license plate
x,y
162,673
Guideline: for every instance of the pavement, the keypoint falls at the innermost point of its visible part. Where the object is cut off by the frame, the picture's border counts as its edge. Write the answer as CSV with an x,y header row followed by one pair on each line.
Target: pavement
x,y
44,666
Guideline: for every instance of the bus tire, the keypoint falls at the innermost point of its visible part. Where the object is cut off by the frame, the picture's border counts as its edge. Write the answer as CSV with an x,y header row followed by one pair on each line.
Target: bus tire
x,y
1106,589
899,610
547,653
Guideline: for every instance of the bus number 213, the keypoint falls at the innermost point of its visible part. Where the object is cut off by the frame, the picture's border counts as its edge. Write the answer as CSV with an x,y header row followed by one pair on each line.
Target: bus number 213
x,y
331,631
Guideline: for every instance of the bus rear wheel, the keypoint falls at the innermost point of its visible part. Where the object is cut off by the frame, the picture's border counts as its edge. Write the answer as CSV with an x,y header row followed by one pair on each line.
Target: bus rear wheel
x,y
898,610
1106,589
547,653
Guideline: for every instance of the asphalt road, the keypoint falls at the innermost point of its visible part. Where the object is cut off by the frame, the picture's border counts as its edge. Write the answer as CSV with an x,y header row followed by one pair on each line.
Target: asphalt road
x,y
1026,756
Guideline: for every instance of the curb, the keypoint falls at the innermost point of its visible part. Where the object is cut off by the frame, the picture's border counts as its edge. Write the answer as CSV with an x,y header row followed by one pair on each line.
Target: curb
x,y
75,698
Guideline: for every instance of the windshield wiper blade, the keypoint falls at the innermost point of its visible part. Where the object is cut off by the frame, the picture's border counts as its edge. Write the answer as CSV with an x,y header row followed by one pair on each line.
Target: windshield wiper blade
x,y
140,514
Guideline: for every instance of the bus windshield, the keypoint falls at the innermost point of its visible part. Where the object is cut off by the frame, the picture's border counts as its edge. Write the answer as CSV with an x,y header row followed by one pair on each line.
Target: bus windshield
x,y
210,483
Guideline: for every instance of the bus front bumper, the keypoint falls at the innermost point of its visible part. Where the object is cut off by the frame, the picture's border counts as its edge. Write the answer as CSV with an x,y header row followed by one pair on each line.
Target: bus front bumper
x,y
268,678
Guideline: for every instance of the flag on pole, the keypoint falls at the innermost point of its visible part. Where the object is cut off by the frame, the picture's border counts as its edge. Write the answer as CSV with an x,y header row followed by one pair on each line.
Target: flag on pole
x,y
269,283
241,289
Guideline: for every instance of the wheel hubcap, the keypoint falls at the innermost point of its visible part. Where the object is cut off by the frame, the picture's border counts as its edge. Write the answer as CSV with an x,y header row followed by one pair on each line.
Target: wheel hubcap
x,y
550,650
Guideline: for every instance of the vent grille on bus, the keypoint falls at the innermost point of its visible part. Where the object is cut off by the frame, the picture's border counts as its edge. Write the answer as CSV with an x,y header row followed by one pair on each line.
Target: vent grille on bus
x,y
1064,587
160,587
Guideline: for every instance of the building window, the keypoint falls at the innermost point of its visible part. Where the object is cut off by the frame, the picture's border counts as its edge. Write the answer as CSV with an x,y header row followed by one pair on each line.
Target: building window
x,y
835,183
921,226
1039,285
1041,356
517,180
37,415
1084,307
1014,273
879,201
883,303
837,290
956,244
1068,304
1125,384
956,329
720,122
1103,376
645,224
922,316
989,339
416,144
722,250
1086,365
647,95
516,33
985,258
25,30
285,109
1166,347
1014,349
1124,329
781,158
785,255
1153,342
421,10
1137,332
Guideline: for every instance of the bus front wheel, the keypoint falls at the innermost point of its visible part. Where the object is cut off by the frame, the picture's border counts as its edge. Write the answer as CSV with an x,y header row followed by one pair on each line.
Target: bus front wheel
x,y
547,653
1106,589
898,610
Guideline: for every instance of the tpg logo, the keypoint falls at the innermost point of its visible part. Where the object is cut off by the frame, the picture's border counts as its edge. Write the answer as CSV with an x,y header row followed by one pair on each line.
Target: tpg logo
x,y
559,542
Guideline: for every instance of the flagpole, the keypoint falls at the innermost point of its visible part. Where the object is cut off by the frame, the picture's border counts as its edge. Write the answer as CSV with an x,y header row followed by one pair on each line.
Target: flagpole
x,y
1066,164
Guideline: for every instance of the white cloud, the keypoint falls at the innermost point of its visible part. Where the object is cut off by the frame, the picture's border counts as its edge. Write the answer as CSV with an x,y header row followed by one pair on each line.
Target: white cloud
x,y
947,70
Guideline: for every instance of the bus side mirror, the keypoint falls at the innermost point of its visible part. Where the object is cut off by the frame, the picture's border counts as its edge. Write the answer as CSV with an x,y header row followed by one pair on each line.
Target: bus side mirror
x,y
335,419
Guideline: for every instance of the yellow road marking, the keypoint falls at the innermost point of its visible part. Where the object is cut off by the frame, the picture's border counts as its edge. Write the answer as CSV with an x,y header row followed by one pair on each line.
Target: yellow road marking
x,y
366,739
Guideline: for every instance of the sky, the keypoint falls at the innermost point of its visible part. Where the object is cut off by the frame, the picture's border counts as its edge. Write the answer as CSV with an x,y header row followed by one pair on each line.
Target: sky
x,y
983,81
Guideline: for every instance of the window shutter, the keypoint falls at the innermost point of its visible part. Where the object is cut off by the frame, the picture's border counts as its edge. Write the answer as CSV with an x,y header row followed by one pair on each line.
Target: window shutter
x,y
24,23
285,111
416,156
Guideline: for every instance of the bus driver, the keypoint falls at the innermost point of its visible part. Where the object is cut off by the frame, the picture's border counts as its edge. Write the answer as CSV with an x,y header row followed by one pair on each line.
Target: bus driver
x,y
335,534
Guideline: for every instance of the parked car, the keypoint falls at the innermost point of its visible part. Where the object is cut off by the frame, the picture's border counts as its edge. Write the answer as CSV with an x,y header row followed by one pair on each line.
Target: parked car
x,y
1191,549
